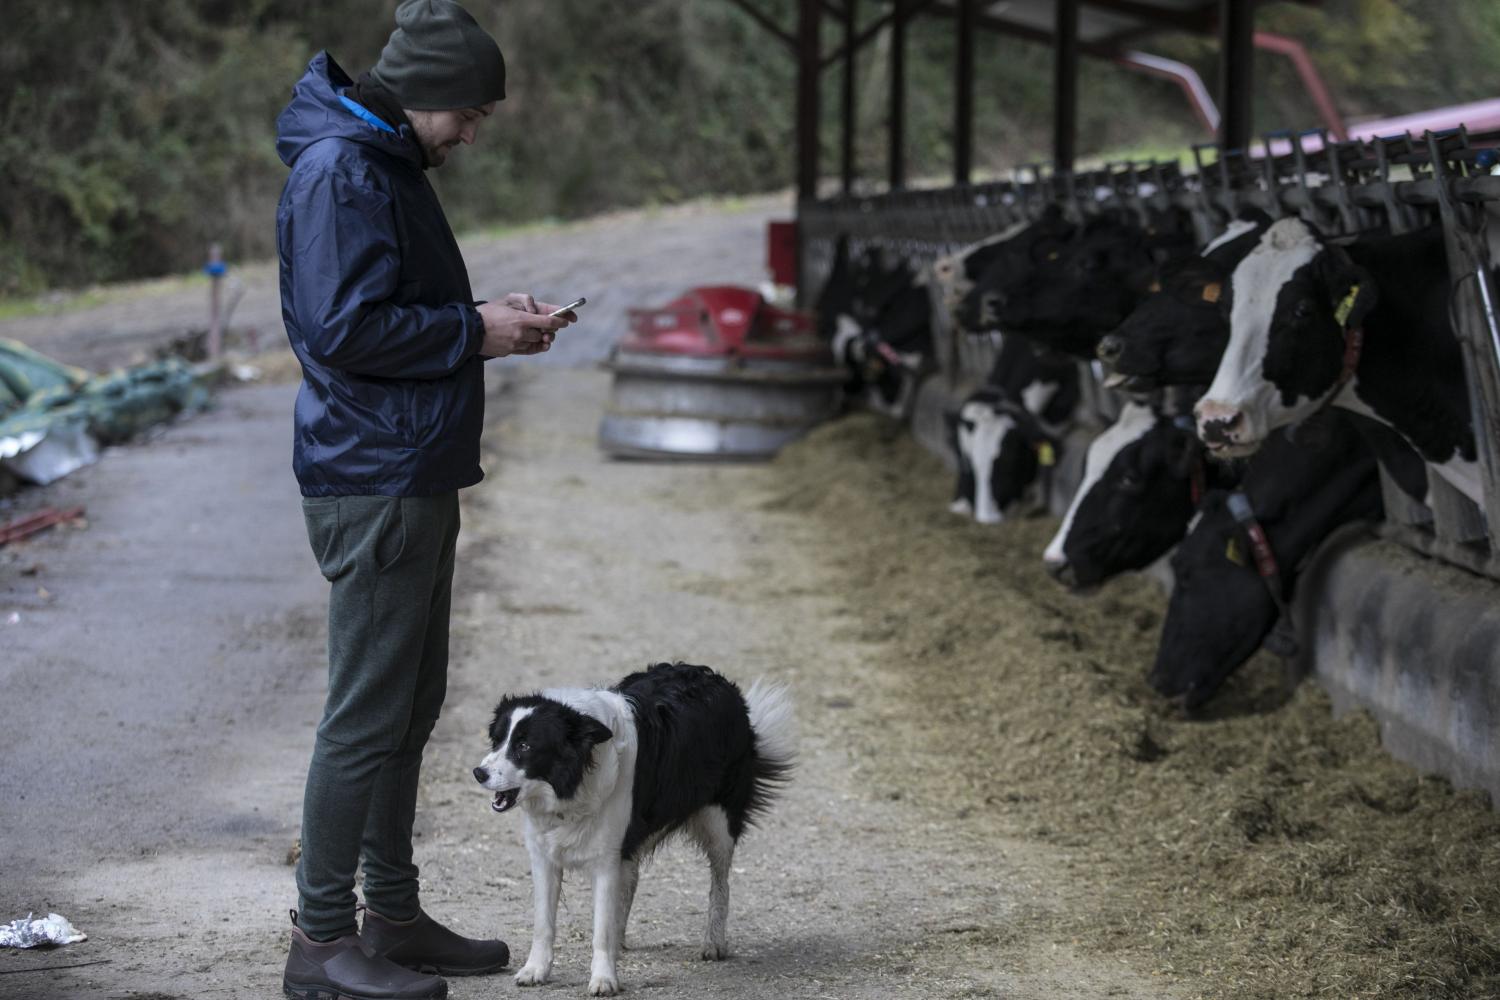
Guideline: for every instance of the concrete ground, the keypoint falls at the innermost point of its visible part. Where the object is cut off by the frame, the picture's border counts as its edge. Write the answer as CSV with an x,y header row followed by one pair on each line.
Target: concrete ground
x,y
161,674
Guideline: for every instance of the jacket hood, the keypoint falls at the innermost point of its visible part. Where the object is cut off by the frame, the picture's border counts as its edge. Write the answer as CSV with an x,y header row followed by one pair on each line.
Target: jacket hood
x,y
316,113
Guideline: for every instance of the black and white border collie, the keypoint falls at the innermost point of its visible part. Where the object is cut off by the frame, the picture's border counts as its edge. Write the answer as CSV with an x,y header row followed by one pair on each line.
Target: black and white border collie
x,y
603,777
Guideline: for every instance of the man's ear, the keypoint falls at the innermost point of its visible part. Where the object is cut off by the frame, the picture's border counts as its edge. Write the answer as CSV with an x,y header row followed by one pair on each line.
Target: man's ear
x,y
1351,289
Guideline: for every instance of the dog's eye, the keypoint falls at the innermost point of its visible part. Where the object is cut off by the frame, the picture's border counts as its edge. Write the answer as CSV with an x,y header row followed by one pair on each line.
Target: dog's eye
x,y
523,747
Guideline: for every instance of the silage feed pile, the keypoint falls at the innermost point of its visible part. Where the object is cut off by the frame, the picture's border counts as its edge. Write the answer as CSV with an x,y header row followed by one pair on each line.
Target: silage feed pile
x,y
1263,848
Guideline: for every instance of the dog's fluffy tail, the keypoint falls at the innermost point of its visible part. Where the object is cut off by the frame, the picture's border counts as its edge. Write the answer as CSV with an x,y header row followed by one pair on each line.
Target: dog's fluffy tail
x,y
775,728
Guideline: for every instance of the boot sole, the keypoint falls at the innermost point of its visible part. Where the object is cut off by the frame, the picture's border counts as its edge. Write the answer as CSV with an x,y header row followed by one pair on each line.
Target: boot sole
x,y
446,970
296,992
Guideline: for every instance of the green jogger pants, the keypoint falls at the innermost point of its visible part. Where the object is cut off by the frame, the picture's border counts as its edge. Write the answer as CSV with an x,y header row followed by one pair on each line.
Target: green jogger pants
x,y
390,563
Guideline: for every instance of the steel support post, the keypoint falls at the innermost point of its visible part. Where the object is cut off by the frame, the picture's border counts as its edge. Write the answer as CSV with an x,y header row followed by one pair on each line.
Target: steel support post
x,y
850,114
1065,87
963,92
1236,71
808,58
897,120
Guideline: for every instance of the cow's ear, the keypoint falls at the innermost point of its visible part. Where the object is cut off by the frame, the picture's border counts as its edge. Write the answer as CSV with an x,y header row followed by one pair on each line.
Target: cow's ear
x,y
1352,292
1256,216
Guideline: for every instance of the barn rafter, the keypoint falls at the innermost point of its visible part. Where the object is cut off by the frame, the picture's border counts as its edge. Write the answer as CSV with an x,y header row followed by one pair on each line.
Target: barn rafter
x,y
1105,29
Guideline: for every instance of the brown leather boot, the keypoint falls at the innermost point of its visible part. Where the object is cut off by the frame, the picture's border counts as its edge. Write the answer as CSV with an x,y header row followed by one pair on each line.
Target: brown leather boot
x,y
341,970
424,944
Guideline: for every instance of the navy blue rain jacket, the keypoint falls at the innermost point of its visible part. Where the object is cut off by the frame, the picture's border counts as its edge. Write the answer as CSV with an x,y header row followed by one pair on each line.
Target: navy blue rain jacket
x,y
377,305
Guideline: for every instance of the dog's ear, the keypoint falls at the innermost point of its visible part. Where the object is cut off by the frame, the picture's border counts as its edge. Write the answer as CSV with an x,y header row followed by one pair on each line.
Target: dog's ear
x,y
595,732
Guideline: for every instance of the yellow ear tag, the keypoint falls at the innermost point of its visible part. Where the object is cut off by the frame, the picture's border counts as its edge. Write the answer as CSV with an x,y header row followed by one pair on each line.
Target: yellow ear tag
x,y
1341,314
1212,291
1234,553
1045,454
1053,255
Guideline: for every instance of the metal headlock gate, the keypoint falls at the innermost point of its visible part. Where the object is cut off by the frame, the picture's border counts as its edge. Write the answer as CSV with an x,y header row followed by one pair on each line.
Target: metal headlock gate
x,y
1344,188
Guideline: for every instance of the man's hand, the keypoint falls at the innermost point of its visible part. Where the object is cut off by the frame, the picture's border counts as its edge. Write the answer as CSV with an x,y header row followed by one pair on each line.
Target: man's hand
x,y
519,325
524,302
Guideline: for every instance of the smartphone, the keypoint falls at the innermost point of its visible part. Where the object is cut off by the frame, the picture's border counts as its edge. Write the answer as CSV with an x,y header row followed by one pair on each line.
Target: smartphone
x,y
569,307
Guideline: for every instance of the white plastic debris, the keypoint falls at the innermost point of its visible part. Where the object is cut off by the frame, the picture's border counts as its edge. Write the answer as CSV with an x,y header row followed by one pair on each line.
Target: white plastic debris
x,y
28,933
47,454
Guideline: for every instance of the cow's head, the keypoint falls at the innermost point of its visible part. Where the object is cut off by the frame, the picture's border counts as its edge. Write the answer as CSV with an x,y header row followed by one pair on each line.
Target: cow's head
x,y
1300,487
880,275
1176,336
1291,300
999,269
1095,281
1220,610
954,275
1134,503
1001,448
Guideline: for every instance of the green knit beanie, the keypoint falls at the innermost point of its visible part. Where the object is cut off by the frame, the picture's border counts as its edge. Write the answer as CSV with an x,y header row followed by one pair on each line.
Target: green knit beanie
x,y
440,59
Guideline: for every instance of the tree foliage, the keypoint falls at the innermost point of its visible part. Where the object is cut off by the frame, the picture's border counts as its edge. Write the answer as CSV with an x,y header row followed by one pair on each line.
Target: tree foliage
x,y
136,133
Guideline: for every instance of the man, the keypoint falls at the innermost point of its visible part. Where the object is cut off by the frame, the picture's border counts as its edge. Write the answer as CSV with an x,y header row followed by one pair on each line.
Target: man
x,y
377,305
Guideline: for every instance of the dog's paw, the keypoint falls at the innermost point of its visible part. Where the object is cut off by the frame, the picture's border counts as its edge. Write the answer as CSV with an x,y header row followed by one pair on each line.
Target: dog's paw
x,y
531,975
714,952
603,986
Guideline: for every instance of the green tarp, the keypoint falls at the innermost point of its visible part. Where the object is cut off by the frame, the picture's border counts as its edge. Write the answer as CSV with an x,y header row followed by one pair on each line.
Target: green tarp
x,y
107,408
24,372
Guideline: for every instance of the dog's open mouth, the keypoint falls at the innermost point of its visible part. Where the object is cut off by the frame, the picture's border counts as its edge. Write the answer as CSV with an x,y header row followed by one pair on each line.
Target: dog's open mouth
x,y
504,800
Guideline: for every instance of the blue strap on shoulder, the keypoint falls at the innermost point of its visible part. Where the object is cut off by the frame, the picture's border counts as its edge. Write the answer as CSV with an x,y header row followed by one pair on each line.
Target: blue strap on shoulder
x,y
361,111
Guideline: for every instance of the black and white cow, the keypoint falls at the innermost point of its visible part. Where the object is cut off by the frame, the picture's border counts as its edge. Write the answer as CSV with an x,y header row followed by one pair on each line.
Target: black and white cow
x,y
1363,326
894,350
1085,286
1177,335
971,281
1009,430
1222,607
955,274
1142,480
877,314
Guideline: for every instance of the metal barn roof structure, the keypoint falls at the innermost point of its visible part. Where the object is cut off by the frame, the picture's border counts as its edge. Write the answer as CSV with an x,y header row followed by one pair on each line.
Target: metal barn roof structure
x,y
1072,28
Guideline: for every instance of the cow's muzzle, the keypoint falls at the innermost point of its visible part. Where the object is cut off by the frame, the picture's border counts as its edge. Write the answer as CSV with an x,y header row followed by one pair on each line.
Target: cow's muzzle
x,y
1220,425
1061,570
1110,348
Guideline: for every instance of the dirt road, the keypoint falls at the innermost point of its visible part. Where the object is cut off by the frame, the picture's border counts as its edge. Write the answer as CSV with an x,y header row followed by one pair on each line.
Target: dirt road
x,y
161,677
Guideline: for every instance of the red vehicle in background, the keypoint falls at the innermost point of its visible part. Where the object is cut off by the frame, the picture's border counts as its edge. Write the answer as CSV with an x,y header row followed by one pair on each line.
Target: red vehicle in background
x,y
718,372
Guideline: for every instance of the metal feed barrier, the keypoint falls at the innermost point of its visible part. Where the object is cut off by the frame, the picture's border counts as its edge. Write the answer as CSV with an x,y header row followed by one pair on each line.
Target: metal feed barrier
x,y
1415,642
1343,188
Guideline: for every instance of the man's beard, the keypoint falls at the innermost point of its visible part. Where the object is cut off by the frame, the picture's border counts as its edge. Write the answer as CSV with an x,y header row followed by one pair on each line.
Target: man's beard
x,y
436,156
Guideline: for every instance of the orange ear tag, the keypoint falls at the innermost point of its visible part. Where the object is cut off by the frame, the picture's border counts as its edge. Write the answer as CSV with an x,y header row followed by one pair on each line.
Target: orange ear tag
x,y
1212,291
